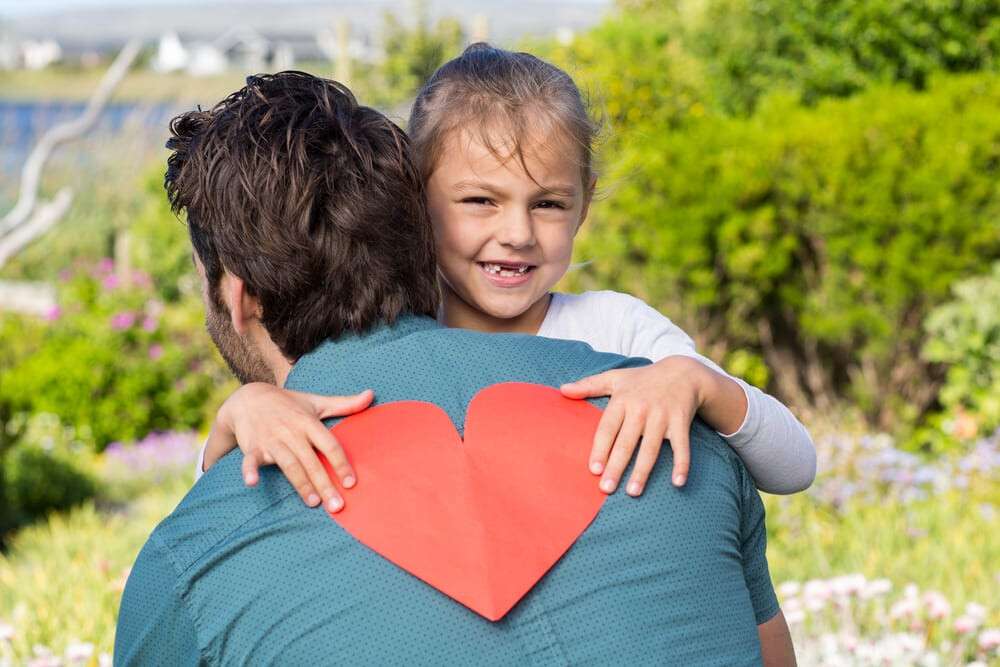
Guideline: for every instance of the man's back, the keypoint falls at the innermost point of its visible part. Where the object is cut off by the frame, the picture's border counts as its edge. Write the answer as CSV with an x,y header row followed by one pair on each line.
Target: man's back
x,y
240,575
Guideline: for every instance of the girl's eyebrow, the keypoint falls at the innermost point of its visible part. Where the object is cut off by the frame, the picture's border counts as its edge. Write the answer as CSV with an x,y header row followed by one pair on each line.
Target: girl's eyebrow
x,y
476,185
557,189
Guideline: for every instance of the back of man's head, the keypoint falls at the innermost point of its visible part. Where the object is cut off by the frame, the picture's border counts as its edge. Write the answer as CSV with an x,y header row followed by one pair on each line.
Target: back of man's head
x,y
312,200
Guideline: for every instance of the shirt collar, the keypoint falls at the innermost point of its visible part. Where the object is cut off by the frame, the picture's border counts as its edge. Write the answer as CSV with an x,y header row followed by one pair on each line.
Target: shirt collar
x,y
332,352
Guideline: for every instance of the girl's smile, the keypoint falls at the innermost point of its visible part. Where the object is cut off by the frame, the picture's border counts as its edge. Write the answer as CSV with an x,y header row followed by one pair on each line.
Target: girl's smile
x,y
504,230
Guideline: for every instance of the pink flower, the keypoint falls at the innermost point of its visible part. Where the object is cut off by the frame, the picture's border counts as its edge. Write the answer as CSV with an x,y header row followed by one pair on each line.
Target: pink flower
x,y
106,265
937,605
141,279
53,313
122,321
110,282
966,624
989,639
155,351
149,324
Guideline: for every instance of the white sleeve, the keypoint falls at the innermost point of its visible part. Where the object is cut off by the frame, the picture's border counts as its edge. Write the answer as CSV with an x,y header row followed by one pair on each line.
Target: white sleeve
x,y
775,447
200,466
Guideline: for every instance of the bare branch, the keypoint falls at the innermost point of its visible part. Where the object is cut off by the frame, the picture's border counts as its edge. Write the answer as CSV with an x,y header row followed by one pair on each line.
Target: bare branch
x,y
32,171
45,217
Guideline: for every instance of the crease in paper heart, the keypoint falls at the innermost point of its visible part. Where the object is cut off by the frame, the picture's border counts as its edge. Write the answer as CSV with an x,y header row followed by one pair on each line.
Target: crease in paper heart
x,y
481,520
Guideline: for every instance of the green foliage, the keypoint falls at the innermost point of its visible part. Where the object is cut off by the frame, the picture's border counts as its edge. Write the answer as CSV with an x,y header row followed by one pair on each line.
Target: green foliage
x,y
47,470
633,72
817,238
86,552
820,48
117,362
413,53
965,334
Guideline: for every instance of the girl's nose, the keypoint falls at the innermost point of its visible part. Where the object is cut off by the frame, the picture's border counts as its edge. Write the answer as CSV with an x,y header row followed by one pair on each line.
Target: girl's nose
x,y
516,230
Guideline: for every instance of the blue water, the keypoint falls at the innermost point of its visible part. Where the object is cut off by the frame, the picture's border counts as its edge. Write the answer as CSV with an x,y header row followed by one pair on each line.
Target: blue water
x,y
23,122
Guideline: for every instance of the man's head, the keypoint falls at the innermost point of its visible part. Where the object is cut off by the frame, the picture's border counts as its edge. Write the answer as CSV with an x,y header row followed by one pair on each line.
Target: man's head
x,y
307,218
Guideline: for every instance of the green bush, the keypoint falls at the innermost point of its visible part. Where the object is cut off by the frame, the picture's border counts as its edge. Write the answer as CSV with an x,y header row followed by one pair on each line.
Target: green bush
x,y
965,334
821,48
47,470
116,362
817,238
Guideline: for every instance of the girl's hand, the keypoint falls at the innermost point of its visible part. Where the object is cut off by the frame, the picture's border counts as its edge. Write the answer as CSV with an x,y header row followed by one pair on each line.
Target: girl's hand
x,y
653,402
278,426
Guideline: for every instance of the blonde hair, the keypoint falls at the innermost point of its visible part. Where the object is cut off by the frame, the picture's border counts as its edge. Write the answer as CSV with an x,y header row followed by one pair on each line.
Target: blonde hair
x,y
486,89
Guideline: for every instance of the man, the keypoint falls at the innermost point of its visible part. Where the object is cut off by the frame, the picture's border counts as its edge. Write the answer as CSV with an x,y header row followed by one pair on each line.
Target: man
x,y
309,229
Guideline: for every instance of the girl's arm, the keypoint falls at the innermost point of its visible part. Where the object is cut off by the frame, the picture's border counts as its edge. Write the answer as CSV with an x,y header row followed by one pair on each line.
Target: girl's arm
x,y
283,427
663,398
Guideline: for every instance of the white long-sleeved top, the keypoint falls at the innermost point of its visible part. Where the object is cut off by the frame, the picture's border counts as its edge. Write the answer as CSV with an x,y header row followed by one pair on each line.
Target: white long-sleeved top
x,y
775,447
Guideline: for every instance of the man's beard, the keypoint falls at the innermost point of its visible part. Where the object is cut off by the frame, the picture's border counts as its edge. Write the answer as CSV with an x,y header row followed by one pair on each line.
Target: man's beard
x,y
243,359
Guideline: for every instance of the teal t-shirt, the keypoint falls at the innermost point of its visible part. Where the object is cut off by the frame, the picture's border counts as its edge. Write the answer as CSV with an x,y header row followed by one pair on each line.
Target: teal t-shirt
x,y
239,575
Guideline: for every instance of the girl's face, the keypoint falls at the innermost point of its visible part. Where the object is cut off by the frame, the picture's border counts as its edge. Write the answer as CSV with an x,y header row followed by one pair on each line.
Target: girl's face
x,y
503,238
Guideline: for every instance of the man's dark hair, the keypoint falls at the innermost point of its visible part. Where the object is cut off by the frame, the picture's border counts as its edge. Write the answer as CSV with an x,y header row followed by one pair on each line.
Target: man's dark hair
x,y
312,200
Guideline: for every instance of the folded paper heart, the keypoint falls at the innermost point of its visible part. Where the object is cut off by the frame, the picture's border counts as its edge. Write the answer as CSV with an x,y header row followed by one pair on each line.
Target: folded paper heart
x,y
481,520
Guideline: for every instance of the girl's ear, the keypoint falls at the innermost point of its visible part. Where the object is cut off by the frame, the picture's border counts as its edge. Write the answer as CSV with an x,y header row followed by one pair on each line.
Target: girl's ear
x,y
587,199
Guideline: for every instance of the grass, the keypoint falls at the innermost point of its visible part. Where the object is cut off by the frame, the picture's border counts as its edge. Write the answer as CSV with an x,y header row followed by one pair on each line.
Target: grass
x,y
61,580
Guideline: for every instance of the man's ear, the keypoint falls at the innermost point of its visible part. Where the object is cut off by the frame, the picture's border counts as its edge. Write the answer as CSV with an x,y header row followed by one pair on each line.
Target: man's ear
x,y
243,308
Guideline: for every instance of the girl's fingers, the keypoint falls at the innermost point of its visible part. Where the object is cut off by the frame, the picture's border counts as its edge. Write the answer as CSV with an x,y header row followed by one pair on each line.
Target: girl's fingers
x,y
327,443
604,437
595,385
296,474
679,435
340,406
251,463
649,451
317,476
621,454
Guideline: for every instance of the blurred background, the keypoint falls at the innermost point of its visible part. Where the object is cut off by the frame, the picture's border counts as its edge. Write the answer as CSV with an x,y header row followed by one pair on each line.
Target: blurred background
x,y
811,189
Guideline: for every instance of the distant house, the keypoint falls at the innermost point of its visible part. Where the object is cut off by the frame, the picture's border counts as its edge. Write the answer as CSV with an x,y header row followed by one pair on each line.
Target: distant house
x,y
39,54
171,56
239,47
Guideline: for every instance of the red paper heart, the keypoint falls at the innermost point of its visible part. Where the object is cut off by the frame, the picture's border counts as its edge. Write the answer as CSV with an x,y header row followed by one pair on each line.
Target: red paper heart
x,y
481,521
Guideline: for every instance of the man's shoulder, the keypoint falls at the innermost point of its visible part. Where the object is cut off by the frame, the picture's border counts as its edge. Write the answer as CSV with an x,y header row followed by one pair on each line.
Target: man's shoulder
x,y
216,508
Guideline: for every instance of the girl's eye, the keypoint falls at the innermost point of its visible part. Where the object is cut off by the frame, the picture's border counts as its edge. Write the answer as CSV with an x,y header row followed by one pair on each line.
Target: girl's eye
x,y
551,203
478,201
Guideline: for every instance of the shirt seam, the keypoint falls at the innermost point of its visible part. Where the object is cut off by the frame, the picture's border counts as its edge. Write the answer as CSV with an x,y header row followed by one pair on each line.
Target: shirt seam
x,y
182,596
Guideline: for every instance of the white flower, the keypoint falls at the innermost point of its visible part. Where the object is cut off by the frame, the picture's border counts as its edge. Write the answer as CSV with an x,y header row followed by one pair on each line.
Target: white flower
x,y
6,632
876,588
903,608
789,588
974,610
79,651
105,660
937,605
989,639
966,624
794,616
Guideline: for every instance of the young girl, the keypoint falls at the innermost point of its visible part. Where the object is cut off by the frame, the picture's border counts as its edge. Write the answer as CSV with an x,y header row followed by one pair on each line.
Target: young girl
x,y
505,146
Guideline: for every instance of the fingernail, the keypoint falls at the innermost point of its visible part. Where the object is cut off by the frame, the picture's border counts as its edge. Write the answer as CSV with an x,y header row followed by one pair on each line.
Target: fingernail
x,y
607,485
312,500
334,504
634,488
596,467
678,480
349,481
